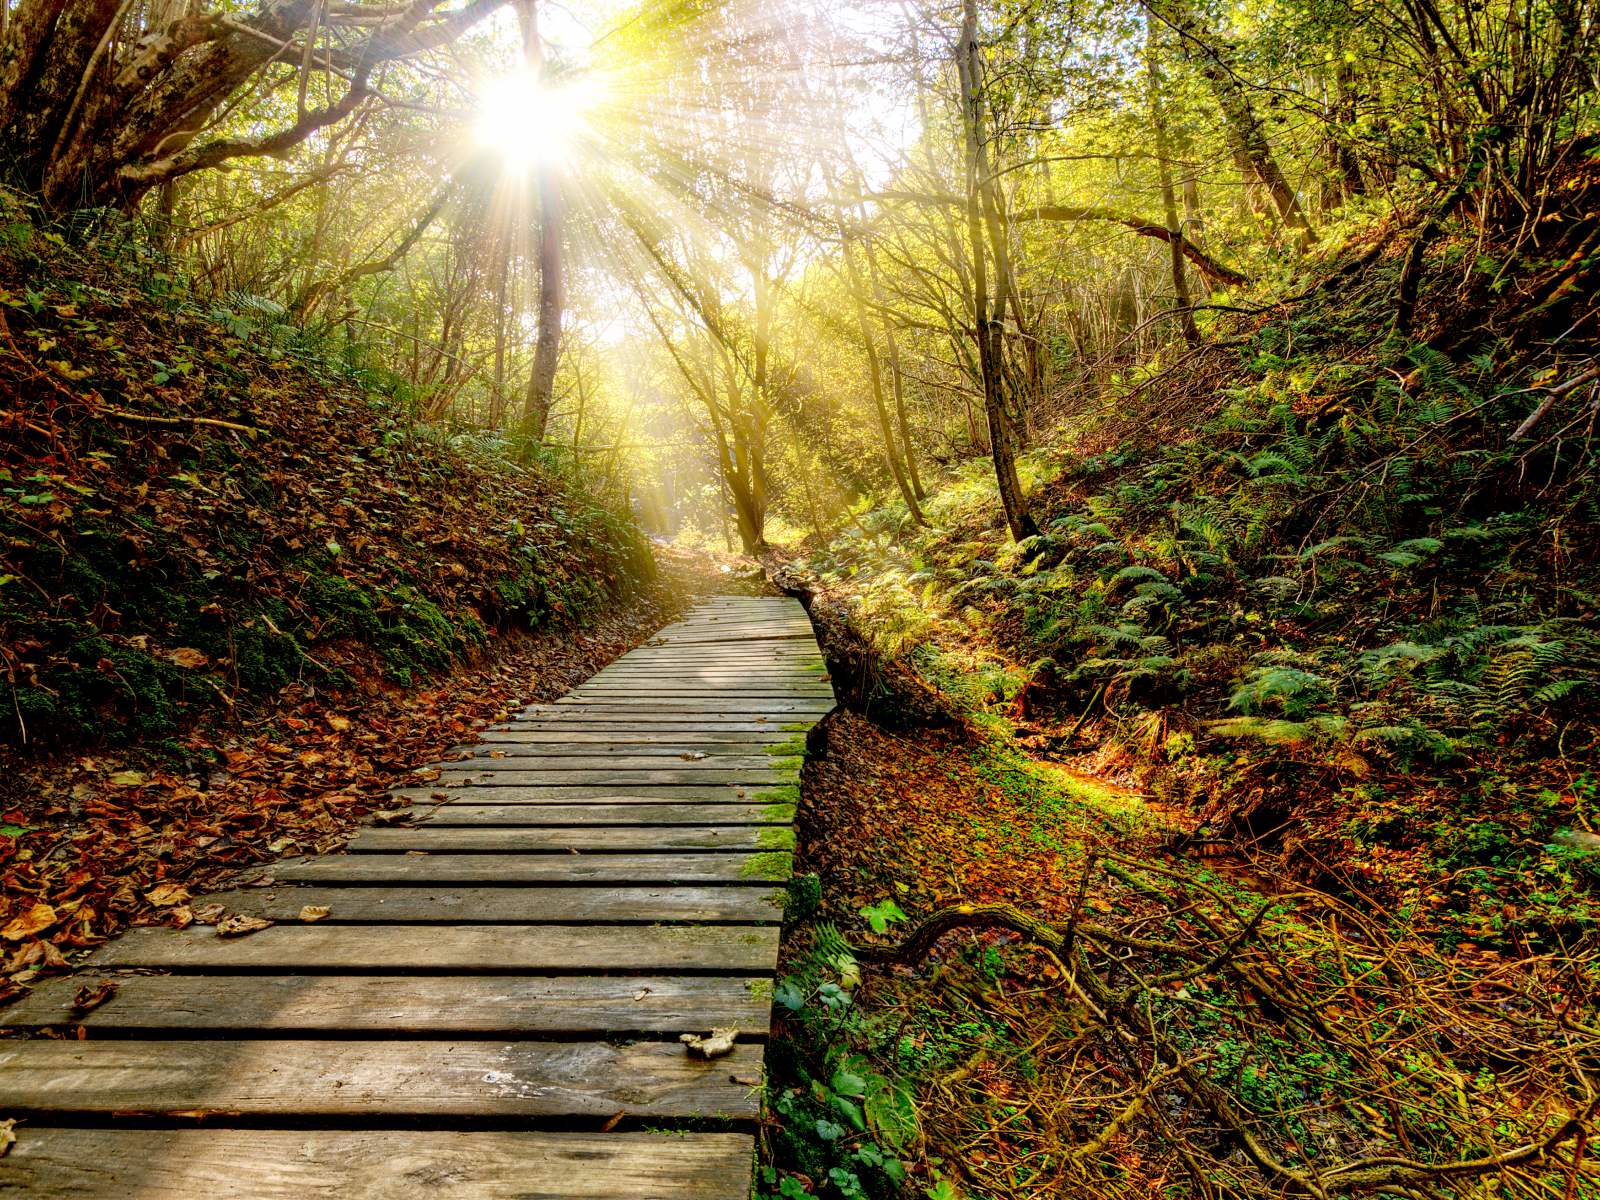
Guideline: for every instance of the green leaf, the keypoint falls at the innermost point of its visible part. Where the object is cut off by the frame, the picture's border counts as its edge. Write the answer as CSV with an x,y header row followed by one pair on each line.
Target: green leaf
x,y
847,1084
880,916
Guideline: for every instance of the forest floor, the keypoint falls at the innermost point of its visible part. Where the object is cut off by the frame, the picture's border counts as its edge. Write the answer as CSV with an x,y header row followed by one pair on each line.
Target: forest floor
x,y
1236,834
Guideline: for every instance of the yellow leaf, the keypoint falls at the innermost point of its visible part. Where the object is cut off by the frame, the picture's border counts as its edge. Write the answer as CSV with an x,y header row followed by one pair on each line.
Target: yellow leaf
x,y
41,916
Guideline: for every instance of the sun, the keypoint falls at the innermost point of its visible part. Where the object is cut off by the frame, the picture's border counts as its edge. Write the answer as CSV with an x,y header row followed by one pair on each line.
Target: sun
x,y
528,121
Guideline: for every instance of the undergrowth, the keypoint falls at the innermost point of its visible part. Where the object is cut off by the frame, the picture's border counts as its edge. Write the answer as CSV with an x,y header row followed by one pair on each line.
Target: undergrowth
x,y
201,504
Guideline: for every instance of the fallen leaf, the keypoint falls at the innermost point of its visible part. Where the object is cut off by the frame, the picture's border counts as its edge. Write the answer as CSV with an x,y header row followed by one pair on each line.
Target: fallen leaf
x,y
210,914
719,1042
166,894
390,816
693,756
313,912
40,916
8,1136
612,1123
181,917
641,993
747,1080
239,924
310,758
188,658
92,997
337,724
126,778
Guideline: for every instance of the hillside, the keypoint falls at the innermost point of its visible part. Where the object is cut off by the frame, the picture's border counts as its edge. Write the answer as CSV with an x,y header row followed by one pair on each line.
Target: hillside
x,y
242,588
1235,834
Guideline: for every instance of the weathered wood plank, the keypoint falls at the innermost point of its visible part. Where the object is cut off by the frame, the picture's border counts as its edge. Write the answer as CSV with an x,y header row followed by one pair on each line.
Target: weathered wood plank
x,y
436,815
512,778
564,794
253,1164
510,905
700,691
609,839
403,869
555,720
718,702
736,949
585,1005
495,747
375,1078
600,760
625,739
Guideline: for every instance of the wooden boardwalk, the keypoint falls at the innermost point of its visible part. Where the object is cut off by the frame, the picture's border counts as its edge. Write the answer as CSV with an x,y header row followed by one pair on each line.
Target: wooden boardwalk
x,y
492,1006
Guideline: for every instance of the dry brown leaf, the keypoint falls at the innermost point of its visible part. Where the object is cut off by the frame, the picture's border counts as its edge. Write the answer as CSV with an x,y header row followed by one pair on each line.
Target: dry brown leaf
x,y
188,658
8,1135
40,916
313,912
210,914
92,997
164,895
390,816
239,925
718,1043
181,917
641,993
337,724
693,756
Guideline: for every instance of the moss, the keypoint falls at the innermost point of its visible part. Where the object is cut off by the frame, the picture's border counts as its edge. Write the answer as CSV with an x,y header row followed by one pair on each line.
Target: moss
x,y
787,748
795,727
776,839
771,864
783,793
804,897
778,812
787,764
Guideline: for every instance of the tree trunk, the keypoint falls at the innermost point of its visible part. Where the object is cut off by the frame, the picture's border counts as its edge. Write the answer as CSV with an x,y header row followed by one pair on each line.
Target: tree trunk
x,y
1246,137
547,345
983,213
1169,200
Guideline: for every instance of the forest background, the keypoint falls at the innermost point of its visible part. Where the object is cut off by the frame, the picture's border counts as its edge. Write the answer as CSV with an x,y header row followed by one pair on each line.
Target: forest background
x,y
1196,397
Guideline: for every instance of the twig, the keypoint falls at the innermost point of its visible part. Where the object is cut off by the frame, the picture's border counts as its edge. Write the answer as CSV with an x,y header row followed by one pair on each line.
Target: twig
x,y
141,419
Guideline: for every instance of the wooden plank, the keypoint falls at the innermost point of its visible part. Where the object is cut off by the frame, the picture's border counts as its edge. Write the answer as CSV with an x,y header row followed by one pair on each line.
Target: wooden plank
x,y
616,776
601,760
257,1164
378,1079
700,691
771,707
570,869
587,1005
735,949
436,815
495,747
523,906
610,839
602,720
563,794
623,739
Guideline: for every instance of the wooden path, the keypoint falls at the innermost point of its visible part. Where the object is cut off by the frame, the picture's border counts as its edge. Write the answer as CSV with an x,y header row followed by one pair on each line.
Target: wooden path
x,y
492,1006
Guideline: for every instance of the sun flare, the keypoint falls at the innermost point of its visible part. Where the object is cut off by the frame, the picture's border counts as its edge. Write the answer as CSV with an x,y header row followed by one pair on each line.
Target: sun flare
x,y
528,121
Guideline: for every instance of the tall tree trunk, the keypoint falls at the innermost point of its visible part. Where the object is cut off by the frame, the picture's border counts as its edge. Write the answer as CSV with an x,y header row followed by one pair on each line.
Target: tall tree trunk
x,y
547,345
1246,136
1343,171
984,214
1169,200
